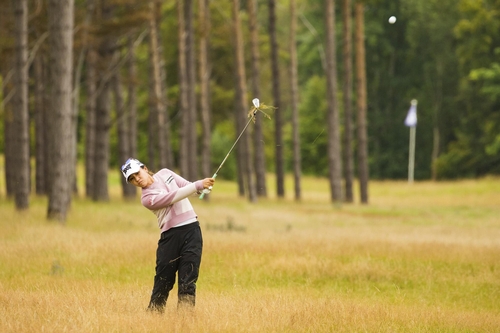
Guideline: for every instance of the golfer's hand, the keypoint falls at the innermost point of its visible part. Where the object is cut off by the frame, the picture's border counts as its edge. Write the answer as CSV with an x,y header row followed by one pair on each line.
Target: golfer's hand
x,y
208,183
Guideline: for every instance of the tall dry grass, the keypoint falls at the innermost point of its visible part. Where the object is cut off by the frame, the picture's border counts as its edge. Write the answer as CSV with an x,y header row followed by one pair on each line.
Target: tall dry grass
x,y
419,258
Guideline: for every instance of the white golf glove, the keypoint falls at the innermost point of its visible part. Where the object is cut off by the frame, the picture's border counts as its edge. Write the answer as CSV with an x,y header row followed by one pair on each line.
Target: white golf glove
x,y
207,190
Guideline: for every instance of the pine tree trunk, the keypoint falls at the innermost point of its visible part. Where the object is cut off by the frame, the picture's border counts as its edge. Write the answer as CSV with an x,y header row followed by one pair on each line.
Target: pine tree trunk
x,y
21,154
131,119
435,151
183,94
334,150
40,133
278,123
437,105
105,54
61,178
132,99
361,102
102,124
191,76
348,131
77,81
295,101
156,98
5,106
238,117
246,163
122,131
258,137
204,21
9,129
90,122
169,154
152,120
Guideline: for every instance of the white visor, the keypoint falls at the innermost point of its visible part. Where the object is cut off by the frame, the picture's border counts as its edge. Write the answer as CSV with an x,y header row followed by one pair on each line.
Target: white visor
x,y
130,167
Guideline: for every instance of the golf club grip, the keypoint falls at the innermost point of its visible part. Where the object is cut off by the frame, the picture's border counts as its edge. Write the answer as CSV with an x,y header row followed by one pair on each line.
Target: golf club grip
x,y
203,194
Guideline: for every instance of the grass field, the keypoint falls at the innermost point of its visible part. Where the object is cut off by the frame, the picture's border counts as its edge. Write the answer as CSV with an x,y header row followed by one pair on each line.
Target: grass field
x,y
419,258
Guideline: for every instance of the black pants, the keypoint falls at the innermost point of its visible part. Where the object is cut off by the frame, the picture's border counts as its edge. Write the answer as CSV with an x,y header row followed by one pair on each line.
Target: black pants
x,y
179,251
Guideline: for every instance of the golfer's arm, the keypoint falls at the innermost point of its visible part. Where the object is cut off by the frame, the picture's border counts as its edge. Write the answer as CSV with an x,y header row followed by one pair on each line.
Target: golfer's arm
x,y
164,199
186,191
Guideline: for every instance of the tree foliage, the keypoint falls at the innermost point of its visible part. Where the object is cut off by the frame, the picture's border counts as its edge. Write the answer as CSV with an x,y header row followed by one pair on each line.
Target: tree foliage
x,y
442,52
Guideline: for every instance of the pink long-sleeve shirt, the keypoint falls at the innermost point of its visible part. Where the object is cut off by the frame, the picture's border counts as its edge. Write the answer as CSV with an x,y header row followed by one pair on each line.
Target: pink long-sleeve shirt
x,y
167,199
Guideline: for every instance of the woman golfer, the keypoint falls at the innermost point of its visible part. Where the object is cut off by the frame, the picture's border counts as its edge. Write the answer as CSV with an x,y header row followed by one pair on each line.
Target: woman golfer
x,y
179,248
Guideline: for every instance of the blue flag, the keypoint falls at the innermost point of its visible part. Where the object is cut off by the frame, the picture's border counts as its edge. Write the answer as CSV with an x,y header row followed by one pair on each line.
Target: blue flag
x,y
411,117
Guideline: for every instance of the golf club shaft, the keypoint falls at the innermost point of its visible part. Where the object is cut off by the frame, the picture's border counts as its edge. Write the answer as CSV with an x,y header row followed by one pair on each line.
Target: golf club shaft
x,y
234,145
230,150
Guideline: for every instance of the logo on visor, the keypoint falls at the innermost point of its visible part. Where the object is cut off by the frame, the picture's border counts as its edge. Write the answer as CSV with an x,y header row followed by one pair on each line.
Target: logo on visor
x,y
127,168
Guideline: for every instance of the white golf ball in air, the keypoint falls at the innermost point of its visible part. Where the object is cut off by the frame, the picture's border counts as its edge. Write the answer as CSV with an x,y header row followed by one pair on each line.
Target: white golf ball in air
x,y
392,19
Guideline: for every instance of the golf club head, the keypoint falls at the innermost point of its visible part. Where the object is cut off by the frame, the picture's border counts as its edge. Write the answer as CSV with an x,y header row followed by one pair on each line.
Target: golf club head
x,y
256,102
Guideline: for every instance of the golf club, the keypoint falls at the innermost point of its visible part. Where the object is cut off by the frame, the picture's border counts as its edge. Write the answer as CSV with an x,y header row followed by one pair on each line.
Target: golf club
x,y
256,103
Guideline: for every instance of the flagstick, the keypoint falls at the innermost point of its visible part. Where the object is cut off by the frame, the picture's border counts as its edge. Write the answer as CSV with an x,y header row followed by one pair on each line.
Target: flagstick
x,y
411,121
411,159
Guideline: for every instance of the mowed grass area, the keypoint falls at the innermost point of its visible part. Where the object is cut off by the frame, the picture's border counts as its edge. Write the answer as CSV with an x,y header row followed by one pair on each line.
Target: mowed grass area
x,y
419,258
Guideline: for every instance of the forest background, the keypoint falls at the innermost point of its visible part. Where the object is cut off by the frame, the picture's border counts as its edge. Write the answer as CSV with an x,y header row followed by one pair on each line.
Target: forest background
x,y
171,81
